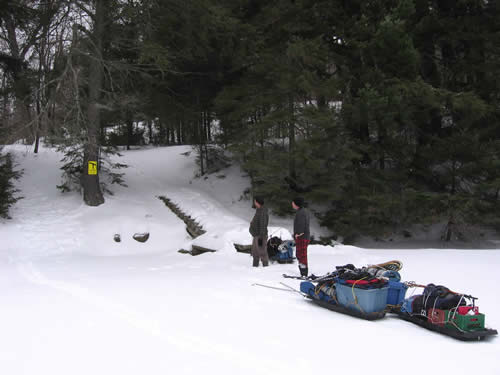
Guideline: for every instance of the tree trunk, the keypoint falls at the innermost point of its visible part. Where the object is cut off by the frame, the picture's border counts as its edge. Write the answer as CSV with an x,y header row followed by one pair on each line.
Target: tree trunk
x,y
161,132
200,144
381,149
291,143
179,132
209,130
206,134
92,193
150,129
38,126
130,131
22,89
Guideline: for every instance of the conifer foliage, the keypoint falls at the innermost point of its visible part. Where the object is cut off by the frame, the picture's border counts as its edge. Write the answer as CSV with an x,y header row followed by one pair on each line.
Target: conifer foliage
x,y
8,192
382,113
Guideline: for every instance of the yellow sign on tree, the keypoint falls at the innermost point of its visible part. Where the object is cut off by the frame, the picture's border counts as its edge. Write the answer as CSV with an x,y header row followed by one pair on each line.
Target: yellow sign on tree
x,y
92,167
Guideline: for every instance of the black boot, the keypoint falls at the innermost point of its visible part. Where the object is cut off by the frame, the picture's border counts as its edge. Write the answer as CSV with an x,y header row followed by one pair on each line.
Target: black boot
x,y
303,271
256,262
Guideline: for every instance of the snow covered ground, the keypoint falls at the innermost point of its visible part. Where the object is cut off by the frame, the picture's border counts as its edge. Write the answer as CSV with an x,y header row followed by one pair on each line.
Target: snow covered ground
x,y
73,301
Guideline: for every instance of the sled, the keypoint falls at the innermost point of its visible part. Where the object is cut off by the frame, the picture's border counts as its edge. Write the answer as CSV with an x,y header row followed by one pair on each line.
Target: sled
x,y
344,310
343,303
421,321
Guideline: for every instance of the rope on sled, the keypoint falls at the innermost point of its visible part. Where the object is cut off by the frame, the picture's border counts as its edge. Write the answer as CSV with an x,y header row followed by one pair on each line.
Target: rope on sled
x,y
318,287
412,284
355,297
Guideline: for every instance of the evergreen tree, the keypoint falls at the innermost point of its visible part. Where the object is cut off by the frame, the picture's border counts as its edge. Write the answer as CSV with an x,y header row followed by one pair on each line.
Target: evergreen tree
x,y
8,192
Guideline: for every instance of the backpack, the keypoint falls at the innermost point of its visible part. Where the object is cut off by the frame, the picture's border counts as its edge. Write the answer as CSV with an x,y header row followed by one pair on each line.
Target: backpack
x,y
272,246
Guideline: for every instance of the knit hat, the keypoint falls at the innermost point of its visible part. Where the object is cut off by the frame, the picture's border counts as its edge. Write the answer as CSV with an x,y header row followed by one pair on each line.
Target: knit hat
x,y
259,200
299,201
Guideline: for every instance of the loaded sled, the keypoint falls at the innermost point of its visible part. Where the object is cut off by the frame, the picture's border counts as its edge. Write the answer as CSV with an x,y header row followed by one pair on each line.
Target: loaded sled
x,y
373,291
356,292
440,310
362,305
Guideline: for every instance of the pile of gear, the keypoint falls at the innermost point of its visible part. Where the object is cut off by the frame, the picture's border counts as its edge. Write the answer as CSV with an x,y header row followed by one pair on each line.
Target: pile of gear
x,y
371,292
439,306
355,291
280,251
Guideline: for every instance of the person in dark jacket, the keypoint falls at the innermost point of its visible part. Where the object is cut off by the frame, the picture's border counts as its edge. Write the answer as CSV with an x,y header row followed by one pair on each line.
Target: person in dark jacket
x,y
301,233
258,230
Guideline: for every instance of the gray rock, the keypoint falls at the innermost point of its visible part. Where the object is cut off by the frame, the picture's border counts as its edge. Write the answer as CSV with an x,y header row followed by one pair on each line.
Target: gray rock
x,y
141,237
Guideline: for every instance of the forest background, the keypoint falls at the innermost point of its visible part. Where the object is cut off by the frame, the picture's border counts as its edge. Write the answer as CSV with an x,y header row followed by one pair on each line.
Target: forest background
x,y
383,114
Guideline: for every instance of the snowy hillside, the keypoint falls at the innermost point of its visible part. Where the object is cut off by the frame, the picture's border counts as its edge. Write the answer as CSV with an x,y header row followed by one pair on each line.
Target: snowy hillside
x,y
76,302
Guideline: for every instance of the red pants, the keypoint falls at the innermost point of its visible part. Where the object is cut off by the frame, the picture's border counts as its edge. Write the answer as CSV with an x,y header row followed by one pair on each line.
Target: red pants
x,y
301,250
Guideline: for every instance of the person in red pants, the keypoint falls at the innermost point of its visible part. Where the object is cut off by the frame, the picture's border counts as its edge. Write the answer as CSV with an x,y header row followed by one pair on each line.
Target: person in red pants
x,y
301,233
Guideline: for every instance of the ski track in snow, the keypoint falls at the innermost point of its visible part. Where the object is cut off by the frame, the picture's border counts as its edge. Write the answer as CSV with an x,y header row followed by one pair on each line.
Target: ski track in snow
x,y
201,346
55,231
193,325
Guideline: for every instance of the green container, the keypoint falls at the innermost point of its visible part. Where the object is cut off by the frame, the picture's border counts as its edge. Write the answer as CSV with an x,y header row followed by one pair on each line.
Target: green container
x,y
466,322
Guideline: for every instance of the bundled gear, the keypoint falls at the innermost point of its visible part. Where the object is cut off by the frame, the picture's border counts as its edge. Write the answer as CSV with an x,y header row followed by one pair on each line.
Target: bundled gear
x,y
280,251
371,292
349,290
272,246
441,310
437,297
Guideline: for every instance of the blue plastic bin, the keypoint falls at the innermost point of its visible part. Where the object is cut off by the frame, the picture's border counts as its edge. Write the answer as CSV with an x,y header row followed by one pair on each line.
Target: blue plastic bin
x,y
396,294
368,300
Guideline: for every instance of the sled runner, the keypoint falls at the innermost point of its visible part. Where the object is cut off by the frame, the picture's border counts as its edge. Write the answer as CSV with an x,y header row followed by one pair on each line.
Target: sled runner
x,y
346,311
421,321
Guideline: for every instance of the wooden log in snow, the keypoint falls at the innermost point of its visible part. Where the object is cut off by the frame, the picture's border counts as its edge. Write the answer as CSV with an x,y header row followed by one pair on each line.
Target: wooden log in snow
x,y
243,248
197,250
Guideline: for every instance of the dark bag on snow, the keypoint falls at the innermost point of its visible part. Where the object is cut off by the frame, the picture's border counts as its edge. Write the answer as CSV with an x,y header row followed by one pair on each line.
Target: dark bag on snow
x,y
438,297
272,246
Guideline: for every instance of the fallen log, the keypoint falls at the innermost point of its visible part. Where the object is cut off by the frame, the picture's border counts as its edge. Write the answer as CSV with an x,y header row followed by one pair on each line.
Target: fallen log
x,y
243,248
197,250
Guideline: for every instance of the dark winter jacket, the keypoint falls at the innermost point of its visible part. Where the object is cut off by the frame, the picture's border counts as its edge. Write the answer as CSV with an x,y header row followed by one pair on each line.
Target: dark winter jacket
x,y
258,225
301,223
